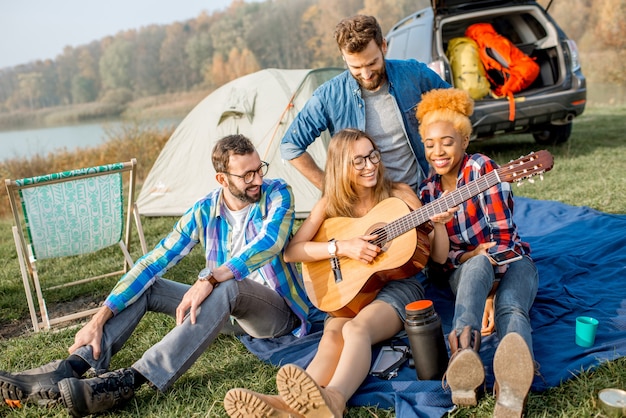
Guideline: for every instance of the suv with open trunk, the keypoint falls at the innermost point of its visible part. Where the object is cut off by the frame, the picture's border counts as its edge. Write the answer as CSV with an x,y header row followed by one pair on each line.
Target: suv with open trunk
x,y
547,107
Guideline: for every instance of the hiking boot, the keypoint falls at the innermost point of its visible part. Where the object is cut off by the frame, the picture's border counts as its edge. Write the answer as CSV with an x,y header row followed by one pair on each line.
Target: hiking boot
x,y
243,403
305,396
514,370
39,385
89,396
465,371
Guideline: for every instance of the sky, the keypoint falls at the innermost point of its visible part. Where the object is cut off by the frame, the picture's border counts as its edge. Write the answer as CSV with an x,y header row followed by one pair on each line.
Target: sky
x,y
39,29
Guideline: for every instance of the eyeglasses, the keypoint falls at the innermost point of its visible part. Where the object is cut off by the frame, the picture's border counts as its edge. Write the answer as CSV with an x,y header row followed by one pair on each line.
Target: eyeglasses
x,y
359,162
248,176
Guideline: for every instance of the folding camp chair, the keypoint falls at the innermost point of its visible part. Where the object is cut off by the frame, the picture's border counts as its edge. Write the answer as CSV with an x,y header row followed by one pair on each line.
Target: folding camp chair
x,y
68,214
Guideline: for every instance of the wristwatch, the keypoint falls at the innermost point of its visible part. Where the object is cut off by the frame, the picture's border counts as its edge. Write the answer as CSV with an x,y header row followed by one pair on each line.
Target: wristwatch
x,y
332,248
206,275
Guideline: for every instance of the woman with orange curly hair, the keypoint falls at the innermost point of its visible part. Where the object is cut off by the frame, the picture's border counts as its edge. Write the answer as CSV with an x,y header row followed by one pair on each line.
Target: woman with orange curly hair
x,y
489,296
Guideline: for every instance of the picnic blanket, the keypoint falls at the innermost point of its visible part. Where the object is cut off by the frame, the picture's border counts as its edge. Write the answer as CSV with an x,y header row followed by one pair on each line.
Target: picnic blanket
x,y
581,257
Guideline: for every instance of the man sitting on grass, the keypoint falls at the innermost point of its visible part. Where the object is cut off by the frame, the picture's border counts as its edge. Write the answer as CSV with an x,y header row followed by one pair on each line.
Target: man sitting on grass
x,y
244,226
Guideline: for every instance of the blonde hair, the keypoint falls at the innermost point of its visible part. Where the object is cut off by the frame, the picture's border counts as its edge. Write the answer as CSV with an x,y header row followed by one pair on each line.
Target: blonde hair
x,y
446,105
340,175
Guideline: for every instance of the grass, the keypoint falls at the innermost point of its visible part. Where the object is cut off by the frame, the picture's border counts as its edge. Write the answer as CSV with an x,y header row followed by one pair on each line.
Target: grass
x,y
588,171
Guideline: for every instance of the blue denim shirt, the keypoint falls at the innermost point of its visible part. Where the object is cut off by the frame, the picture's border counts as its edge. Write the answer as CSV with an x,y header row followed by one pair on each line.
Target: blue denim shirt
x,y
337,104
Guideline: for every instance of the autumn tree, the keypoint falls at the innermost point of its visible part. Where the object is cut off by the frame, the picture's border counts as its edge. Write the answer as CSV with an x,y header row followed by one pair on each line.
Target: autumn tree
x,y
219,71
49,77
389,12
175,71
611,26
320,21
574,16
229,29
241,63
199,50
147,76
84,86
66,69
30,88
115,65
8,84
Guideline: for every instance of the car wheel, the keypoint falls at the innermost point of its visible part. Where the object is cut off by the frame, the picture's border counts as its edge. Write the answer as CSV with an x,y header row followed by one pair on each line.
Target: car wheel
x,y
553,134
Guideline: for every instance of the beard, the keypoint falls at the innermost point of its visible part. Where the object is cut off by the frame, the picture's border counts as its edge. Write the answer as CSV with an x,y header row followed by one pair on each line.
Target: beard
x,y
375,83
243,194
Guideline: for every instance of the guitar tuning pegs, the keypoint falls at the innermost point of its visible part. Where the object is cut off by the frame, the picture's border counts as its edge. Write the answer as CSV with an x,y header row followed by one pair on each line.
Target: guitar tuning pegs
x,y
531,180
541,176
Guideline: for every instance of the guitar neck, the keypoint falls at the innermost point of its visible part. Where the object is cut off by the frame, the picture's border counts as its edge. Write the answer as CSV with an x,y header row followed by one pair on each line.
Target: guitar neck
x,y
423,214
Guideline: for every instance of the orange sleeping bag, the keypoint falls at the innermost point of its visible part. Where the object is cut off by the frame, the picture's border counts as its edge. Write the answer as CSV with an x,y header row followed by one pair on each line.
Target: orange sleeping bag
x,y
508,69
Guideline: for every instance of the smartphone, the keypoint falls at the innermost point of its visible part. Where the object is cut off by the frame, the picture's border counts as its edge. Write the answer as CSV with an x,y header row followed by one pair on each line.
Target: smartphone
x,y
505,257
388,361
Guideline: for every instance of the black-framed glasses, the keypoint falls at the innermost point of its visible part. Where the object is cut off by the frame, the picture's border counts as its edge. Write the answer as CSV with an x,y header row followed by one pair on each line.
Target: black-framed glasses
x,y
359,162
248,176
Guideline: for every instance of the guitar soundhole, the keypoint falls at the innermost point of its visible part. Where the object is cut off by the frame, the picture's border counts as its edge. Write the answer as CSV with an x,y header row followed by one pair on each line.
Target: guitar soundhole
x,y
381,240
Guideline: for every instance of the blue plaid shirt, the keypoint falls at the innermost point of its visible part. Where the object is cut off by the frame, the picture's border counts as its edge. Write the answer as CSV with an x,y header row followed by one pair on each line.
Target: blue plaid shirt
x,y
268,229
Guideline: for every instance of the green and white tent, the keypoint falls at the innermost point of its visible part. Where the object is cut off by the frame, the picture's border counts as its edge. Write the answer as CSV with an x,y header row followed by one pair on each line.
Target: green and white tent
x,y
260,106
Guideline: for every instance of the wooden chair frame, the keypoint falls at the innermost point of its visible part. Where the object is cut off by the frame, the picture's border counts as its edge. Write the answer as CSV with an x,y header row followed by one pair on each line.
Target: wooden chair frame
x,y
22,234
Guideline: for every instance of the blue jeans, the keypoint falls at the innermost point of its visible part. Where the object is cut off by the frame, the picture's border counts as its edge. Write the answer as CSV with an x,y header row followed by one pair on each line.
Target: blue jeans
x,y
258,310
471,284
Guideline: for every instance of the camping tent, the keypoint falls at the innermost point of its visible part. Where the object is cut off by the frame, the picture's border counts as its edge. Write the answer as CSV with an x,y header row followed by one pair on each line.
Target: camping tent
x,y
260,106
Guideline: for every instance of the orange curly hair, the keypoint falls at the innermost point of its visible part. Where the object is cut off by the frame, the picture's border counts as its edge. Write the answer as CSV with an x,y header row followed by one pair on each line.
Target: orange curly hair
x,y
446,105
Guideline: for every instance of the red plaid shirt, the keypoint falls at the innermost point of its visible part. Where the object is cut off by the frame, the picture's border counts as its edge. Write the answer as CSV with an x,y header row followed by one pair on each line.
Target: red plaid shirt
x,y
486,217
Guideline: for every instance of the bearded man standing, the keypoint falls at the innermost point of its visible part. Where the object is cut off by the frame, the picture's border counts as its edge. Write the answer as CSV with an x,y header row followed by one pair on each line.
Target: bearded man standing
x,y
374,95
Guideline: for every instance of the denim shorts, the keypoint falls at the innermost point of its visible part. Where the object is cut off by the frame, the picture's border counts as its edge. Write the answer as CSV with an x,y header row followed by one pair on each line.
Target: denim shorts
x,y
399,293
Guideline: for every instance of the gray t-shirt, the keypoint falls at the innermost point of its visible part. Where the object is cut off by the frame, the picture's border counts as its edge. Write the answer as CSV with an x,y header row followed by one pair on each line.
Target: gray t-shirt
x,y
384,124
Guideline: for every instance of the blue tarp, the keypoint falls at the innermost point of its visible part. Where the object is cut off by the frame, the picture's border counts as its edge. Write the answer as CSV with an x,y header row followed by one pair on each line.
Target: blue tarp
x,y
581,257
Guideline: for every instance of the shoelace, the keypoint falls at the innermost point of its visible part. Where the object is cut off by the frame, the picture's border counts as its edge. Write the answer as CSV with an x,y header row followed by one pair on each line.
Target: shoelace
x,y
114,384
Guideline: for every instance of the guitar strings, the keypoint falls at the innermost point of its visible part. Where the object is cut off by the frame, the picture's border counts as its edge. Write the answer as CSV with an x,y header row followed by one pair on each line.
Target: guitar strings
x,y
421,215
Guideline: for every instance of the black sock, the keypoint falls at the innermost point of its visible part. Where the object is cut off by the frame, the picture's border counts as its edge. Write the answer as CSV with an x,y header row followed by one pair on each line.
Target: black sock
x,y
77,364
138,378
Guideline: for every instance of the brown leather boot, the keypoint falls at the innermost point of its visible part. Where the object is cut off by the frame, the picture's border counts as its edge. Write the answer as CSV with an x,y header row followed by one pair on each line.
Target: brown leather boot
x,y
304,395
465,371
243,403
514,370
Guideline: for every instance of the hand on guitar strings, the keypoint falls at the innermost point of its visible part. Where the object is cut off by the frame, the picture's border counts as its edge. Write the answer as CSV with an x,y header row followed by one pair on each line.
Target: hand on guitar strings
x,y
359,248
444,217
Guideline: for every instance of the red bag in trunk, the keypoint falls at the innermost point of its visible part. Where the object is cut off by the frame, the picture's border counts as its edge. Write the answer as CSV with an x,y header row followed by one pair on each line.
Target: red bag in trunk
x,y
509,70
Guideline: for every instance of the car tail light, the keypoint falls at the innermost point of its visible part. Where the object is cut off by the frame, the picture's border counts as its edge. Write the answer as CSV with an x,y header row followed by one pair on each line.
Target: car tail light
x,y
573,55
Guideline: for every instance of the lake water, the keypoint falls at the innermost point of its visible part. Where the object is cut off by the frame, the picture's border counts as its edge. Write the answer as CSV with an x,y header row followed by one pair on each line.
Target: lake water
x,y
30,142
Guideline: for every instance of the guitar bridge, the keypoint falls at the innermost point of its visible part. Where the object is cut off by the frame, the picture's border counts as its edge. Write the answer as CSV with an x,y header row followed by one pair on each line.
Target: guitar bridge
x,y
334,265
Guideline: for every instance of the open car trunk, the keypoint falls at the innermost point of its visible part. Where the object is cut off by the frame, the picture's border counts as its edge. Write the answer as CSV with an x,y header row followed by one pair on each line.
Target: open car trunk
x,y
545,108
524,26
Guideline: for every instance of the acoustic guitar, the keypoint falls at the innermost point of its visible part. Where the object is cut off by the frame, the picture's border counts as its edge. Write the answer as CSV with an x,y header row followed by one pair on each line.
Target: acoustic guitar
x,y
342,286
